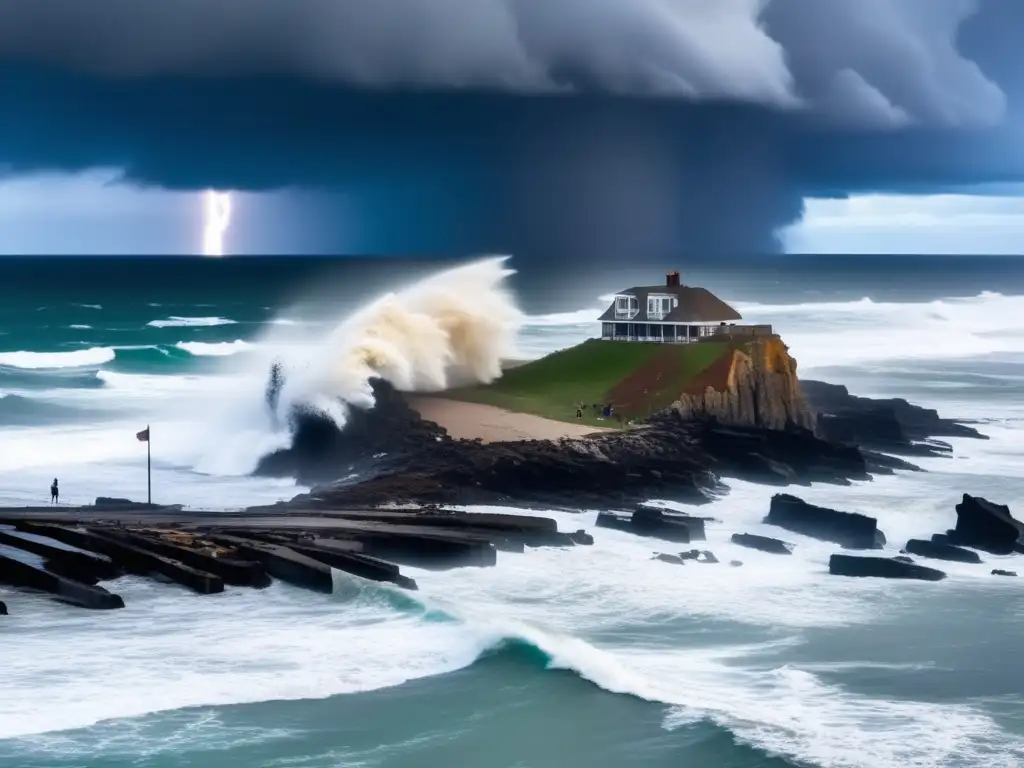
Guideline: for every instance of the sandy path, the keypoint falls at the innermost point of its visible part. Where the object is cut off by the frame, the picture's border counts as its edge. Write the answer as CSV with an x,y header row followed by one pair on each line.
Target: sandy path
x,y
468,421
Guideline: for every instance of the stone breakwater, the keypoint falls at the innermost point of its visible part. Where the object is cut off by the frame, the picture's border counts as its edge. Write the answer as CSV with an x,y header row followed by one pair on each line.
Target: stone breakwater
x,y
69,553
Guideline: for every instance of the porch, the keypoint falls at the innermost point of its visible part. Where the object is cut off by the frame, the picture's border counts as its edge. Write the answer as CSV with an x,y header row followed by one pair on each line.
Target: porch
x,y
664,333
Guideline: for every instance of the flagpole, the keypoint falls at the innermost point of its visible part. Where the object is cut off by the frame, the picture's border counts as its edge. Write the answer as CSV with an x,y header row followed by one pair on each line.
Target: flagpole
x,y
149,472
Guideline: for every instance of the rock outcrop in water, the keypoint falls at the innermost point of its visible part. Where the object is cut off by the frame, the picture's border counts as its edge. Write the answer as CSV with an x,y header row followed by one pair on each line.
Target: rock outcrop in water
x,y
881,568
753,385
848,529
671,458
890,425
981,524
373,440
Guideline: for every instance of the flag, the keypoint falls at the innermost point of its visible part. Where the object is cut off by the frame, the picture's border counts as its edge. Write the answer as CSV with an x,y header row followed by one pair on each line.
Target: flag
x,y
143,435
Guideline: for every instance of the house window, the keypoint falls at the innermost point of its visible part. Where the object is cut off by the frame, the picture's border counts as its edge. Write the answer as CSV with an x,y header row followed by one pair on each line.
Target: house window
x,y
626,306
658,307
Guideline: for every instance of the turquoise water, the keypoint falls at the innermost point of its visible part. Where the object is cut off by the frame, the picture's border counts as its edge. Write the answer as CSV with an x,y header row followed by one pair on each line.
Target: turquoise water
x,y
591,656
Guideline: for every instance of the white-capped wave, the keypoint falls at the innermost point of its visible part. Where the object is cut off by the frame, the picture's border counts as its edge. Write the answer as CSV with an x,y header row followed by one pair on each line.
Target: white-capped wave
x,y
822,334
78,358
191,322
214,349
80,327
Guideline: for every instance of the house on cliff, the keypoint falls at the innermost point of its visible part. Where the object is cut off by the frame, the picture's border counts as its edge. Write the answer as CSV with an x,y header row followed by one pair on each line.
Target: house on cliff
x,y
673,313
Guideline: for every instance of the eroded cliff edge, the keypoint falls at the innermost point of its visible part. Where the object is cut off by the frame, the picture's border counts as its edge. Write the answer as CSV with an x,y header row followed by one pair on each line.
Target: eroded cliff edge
x,y
754,384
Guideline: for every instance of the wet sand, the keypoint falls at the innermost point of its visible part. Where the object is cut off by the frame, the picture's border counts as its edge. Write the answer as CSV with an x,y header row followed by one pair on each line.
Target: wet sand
x,y
471,421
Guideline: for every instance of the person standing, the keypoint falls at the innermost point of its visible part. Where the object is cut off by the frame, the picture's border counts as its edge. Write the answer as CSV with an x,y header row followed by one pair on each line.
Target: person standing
x,y
54,492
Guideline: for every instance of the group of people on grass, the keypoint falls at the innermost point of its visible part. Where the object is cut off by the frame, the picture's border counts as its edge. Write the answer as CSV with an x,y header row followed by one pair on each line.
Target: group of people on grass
x,y
606,411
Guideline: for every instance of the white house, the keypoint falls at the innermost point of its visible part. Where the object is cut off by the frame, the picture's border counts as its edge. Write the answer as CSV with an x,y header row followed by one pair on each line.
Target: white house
x,y
671,313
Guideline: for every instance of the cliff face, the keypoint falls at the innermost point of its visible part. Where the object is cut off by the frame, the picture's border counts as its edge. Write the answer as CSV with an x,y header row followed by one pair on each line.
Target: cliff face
x,y
753,385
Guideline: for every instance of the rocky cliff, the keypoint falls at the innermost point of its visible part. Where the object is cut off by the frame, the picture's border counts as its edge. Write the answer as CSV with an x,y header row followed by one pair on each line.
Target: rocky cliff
x,y
753,385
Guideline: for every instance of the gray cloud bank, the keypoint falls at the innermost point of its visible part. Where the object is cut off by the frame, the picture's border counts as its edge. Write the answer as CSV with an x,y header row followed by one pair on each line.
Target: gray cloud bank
x,y
869,63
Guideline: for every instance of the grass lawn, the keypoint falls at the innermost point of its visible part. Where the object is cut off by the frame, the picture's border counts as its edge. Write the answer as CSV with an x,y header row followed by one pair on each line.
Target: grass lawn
x,y
552,386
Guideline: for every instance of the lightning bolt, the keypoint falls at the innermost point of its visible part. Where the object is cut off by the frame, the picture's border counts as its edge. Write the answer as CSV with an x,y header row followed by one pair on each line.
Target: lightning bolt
x,y
217,218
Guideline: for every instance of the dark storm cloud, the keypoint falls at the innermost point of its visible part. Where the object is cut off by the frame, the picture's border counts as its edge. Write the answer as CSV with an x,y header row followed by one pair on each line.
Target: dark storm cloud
x,y
585,127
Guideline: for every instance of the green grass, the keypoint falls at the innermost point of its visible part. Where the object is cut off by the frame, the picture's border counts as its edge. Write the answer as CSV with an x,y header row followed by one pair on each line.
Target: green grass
x,y
552,386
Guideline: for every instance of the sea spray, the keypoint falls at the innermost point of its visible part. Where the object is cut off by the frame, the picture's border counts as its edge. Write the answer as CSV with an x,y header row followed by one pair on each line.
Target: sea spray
x,y
453,327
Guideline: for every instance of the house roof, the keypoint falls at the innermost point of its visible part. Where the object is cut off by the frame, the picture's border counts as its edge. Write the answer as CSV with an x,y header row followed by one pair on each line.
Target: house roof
x,y
696,305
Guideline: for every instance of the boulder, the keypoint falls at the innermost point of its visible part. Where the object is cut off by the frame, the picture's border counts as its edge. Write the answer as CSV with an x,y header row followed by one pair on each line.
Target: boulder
x,y
939,551
647,525
881,567
655,518
987,526
848,529
903,559
3,608
995,572
763,543
674,559
581,537
735,563
707,557
892,425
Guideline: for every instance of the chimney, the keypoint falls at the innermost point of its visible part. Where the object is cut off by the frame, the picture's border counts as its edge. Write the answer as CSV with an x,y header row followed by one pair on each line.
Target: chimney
x,y
672,279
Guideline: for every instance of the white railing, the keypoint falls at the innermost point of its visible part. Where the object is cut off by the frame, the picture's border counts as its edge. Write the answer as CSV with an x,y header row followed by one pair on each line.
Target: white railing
x,y
659,339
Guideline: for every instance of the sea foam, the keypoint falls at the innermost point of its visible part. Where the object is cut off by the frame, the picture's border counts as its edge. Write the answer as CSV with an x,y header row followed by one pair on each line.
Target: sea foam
x,y
190,322
78,358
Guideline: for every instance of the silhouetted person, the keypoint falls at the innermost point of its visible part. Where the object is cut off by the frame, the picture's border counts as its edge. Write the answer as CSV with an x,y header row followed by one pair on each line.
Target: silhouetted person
x,y
54,492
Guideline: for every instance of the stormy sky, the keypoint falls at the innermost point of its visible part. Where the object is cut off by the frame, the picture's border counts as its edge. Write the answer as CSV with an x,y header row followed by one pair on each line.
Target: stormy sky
x,y
576,130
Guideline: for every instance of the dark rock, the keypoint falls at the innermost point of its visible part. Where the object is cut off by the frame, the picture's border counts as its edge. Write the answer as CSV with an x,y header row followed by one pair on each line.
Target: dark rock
x,y
3,608
881,567
763,543
660,528
655,516
24,569
121,505
735,563
936,551
707,556
848,529
243,573
391,455
987,526
581,537
355,563
941,538
674,559
64,559
320,452
1001,572
903,559
884,464
892,425
284,563
131,558
691,554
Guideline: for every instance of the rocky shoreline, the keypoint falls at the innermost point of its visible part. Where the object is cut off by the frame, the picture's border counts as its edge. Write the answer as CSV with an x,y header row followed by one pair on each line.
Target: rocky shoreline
x,y
403,472
76,556
390,455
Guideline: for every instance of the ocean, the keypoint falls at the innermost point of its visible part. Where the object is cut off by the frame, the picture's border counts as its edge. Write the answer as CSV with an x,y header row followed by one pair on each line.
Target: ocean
x,y
594,656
